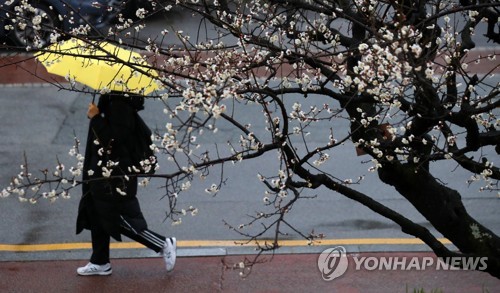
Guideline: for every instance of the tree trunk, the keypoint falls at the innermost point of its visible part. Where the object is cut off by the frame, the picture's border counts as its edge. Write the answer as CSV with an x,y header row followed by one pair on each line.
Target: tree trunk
x,y
443,208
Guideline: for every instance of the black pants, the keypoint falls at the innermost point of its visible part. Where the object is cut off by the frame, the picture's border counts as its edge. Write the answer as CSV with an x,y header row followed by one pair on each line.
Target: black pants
x,y
101,241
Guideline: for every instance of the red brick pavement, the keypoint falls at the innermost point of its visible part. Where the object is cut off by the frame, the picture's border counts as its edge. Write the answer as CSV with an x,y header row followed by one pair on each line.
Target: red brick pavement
x,y
285,273
23,68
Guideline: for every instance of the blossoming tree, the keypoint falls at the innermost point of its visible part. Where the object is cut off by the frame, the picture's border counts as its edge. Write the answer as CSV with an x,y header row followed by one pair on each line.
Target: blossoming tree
x,y
401,74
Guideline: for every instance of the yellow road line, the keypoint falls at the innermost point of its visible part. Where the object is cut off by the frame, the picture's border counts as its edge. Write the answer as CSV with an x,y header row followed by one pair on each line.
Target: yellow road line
x,y
217,243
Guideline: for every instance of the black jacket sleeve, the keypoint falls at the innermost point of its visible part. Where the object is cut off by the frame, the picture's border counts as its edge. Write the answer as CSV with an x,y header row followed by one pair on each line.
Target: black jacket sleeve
x,y
113,131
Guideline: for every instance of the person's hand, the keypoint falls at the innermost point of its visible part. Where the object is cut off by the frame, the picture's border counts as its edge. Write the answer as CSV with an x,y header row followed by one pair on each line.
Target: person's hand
x,y
92,111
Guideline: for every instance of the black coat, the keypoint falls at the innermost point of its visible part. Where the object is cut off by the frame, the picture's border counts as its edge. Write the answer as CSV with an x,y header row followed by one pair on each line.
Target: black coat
x,y
108,141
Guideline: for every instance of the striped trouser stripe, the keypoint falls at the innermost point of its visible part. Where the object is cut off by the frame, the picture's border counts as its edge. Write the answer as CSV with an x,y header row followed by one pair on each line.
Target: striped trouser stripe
x,y
146,234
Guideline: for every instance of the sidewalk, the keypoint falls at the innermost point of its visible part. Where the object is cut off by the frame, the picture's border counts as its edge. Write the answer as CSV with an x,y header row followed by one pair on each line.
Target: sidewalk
x,y
21,68
285,273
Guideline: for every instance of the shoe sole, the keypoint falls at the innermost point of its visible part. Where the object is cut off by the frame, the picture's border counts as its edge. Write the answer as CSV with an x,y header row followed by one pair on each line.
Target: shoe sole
x,y
174,244
105,273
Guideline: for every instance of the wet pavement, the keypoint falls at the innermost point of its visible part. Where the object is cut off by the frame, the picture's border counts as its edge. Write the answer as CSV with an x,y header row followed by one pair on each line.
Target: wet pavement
x,y
282,273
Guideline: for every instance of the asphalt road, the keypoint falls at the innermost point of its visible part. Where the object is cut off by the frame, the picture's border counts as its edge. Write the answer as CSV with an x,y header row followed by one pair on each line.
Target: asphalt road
x,y
41,122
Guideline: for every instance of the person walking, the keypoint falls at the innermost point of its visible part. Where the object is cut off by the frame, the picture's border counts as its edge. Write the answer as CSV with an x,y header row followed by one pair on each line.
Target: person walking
x,y
109,206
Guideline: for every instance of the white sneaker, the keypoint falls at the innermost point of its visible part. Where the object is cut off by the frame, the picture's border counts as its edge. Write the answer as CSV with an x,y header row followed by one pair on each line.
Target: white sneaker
x,y
170,253
92,270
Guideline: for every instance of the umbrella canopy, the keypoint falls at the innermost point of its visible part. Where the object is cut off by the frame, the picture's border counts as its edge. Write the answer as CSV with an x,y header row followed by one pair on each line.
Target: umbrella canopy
x,y
100,65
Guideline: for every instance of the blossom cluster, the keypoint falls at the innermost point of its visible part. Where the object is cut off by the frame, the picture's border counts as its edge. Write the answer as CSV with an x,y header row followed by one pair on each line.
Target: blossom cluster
x,y
50,185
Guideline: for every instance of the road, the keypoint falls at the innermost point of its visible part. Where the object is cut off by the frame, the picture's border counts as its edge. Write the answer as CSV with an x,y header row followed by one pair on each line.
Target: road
x,y
41,122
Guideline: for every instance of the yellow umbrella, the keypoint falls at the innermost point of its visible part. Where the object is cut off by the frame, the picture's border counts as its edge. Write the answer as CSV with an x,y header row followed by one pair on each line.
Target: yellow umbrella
x,y
100,65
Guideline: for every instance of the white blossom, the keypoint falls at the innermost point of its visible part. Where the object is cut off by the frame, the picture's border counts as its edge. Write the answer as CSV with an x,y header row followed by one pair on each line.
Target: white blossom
x,y
121,192
141,13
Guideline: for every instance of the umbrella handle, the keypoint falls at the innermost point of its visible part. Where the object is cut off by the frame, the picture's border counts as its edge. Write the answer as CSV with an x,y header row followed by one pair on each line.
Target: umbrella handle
x,y
93,98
